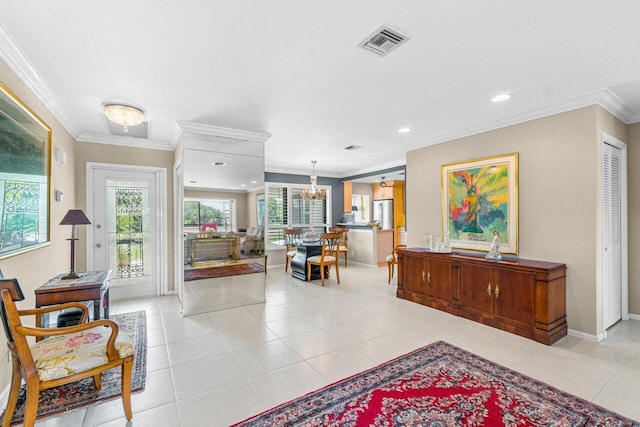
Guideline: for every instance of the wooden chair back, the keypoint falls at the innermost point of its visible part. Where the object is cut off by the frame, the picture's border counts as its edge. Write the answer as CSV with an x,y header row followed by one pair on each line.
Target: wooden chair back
x,y
344,234
344,240
330,245
291,237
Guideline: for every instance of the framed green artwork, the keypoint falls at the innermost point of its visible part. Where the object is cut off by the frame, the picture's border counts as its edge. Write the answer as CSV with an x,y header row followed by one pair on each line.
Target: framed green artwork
x,y
480,197
25,163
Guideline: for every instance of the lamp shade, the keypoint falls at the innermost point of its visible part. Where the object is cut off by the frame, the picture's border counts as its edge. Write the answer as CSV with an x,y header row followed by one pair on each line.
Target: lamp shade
x,y
75,217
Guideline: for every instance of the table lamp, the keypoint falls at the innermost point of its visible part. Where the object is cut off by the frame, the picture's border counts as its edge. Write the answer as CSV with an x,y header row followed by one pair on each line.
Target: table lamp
x,y
74,217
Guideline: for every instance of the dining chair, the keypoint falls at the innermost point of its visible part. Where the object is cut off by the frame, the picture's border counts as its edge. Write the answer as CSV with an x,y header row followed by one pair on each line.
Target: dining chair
x,y
291,237
344,240
66,355
392,260
328,257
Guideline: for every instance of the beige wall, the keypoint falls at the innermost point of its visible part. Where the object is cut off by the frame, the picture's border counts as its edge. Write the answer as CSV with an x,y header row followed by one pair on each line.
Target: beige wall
x,y
558,194
633,179
115,154
35,267
240,198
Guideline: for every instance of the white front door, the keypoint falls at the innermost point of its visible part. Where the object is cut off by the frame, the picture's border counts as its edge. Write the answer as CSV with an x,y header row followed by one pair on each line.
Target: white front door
x,y
124,205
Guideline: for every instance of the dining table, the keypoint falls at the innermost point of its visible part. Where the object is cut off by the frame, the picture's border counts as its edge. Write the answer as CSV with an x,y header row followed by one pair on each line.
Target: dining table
x,y
304,251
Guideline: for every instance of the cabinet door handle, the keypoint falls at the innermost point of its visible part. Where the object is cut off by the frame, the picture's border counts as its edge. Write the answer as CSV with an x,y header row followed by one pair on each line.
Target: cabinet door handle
x,y
489,289
497,291
429,277
423,275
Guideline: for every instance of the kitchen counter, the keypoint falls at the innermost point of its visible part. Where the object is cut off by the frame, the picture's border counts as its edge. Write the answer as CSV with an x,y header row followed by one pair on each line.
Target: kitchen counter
x,y
368,245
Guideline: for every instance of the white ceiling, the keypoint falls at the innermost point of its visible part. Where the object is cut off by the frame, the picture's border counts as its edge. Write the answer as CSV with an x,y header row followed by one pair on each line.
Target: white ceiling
x,y
292,69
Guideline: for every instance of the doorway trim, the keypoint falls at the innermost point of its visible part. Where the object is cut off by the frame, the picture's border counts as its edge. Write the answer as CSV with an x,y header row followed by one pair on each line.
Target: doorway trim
x,y
161,192
624,238
178,225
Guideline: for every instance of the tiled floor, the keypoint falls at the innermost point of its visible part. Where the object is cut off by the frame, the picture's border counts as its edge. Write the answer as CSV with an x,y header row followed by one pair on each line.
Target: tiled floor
x,y
217,368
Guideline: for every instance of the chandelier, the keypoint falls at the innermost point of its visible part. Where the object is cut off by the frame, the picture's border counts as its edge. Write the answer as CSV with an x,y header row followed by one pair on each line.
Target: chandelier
x,y
313,192
124,115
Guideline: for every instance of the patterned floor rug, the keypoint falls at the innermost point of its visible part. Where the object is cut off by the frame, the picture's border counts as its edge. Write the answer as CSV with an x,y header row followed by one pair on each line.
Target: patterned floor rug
x,y
83,393
222,271
438,385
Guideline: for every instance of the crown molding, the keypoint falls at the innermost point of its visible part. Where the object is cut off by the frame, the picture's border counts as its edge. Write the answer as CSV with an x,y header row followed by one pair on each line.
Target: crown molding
x,y
384,167
11,53
125,141
604,98
223,132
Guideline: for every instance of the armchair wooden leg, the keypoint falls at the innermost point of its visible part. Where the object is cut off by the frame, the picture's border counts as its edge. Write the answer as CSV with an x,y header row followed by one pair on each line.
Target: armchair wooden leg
x,y
31,406
390,268
345,258
126,387
97,379
308,272
14,391
286,262
322,274
338,271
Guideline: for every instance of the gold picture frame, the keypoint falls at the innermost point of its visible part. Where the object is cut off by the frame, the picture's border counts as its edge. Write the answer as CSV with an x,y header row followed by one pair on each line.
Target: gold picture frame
x,y
25,172
479,198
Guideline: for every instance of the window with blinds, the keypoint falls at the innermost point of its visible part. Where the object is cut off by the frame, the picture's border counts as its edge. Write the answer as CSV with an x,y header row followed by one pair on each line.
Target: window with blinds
x,y
286,208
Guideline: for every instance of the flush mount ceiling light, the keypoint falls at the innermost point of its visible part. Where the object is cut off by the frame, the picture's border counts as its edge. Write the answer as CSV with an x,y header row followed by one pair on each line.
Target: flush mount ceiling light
x,y
124,115
501,97
404,130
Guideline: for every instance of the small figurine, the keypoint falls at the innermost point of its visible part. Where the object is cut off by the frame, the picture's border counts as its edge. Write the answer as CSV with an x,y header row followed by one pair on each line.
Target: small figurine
x,y
494,250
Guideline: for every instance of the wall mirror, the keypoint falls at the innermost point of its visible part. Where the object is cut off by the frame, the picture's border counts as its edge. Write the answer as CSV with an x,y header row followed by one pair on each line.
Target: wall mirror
x,y
224,262
25,162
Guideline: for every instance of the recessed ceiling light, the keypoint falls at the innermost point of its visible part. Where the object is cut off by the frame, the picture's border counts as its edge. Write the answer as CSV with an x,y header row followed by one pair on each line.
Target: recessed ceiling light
x,y
501,97
218,164
404,130
243,185
254,182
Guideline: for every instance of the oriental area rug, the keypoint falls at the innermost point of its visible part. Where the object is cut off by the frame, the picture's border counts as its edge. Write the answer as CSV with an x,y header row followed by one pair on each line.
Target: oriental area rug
x,y
222,271
438,385
82,393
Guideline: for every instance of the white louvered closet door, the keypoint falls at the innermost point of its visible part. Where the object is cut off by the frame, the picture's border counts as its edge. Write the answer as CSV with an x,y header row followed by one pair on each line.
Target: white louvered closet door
x,y
612,234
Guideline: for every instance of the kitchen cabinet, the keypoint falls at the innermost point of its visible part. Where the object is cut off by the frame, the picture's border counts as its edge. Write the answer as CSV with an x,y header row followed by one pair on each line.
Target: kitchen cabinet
x,y
347,196
524,297
383,193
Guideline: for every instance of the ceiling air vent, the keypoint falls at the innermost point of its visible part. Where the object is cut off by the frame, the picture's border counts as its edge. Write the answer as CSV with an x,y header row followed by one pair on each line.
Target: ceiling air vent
x,y
383,40
353,147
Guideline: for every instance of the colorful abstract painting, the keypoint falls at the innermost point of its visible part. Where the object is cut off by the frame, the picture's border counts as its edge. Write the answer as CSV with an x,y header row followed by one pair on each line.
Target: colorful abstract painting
x,y
480,198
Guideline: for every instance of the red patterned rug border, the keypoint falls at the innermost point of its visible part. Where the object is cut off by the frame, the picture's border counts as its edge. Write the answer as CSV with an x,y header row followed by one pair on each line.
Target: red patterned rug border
x,y
222,271
592,413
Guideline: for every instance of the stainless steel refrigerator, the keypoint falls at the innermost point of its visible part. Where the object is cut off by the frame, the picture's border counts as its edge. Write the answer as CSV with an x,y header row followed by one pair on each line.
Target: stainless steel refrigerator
x,y
383,213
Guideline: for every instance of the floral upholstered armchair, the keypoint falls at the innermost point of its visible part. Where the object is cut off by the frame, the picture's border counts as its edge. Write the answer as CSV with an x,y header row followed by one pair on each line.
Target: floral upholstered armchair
x,y
61,355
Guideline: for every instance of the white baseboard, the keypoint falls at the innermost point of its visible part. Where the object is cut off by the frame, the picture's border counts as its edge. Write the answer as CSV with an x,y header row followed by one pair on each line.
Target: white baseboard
x,y
634,316
583,335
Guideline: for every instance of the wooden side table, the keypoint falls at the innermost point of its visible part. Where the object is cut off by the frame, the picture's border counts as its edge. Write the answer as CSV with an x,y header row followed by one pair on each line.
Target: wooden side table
x,y
90,286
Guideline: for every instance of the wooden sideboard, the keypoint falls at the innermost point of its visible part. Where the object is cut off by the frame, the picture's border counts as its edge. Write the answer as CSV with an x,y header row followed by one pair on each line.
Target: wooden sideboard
x,y
520,296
